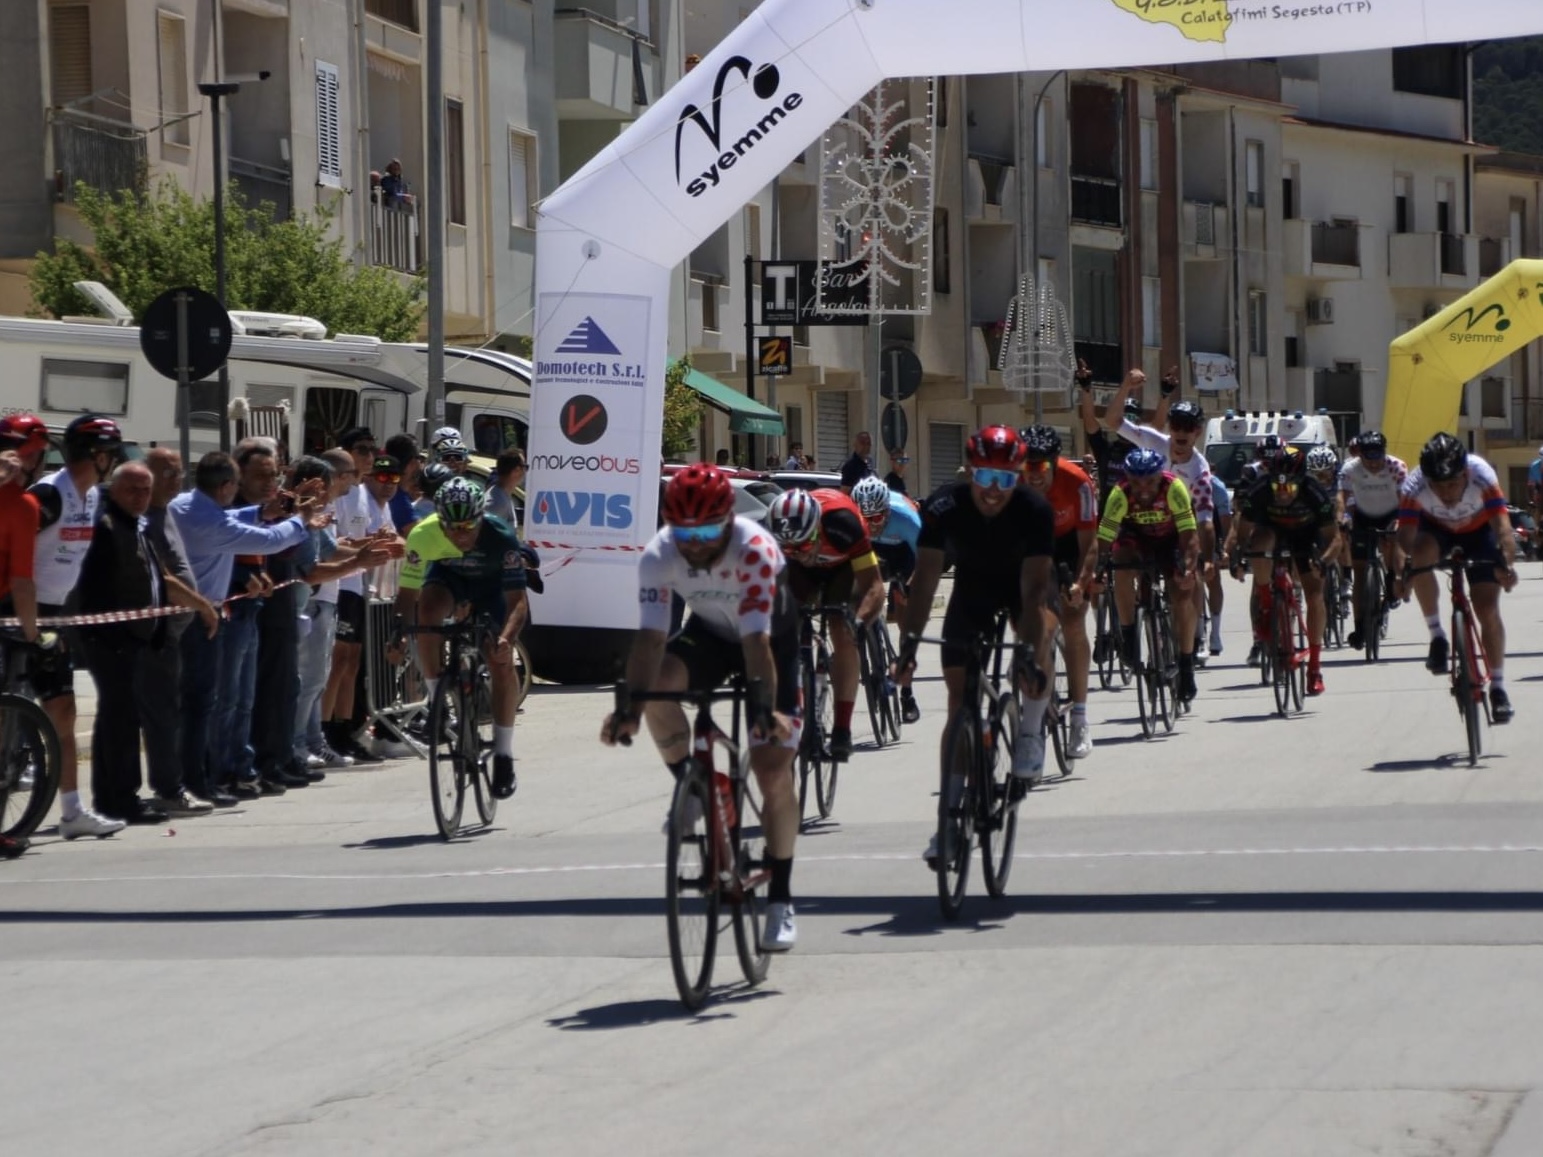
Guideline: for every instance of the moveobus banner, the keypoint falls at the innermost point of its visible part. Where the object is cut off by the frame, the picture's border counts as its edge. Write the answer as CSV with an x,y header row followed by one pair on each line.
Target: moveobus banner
x,y
608,238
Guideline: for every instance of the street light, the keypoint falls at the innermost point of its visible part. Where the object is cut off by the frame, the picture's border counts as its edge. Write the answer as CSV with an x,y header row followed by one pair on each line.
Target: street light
x,y
1028,178
217,90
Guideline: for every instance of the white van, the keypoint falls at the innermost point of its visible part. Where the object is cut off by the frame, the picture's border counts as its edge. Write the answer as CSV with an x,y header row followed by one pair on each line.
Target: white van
x,y
1230,439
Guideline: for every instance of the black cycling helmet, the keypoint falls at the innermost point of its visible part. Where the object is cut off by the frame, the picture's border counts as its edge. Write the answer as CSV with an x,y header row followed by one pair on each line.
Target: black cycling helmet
x,y
1373,442
1041,442
1133,409
1267,446
1186,413
1443,458
433,476
91,434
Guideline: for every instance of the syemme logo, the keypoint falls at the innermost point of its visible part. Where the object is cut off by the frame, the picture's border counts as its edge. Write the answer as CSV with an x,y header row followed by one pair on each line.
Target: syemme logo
x,y
582,508
764,84
594,463
1471,319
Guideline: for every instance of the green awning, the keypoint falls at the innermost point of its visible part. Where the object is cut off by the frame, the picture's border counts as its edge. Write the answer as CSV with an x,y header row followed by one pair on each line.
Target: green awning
x,y
746,416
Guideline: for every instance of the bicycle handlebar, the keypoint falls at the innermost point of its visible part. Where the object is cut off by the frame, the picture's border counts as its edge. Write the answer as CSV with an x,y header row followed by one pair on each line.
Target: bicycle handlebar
x,y
751,691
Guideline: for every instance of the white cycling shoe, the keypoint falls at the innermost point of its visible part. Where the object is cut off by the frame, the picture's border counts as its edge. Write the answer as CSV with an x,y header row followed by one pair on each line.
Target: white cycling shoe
x,y
780,932
1082,742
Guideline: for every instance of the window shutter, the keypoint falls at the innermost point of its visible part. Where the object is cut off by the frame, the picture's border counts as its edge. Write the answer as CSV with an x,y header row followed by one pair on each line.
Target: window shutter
x,y
945,453
69,52
329,143
519,180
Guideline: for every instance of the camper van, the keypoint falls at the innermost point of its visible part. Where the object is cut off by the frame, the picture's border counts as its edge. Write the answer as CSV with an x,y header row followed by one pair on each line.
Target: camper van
x,y
1230,439
292,381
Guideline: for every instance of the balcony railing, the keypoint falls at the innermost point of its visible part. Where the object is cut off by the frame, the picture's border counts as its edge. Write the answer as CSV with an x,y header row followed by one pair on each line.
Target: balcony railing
x,y
106,155
1096,201
403,12
394,236
1494,255
1453,259
1105,359
1526,418
1336,244
261,183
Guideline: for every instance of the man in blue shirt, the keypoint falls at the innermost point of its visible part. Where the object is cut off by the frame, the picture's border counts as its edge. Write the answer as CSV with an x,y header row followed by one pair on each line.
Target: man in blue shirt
x,y
214,535
1535,487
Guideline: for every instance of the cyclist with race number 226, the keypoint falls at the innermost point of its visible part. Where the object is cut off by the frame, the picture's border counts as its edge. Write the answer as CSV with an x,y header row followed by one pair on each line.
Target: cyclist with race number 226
x,y
1002,536
741,621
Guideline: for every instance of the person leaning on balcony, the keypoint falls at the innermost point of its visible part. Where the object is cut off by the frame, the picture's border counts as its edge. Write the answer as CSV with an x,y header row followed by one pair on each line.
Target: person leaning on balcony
x,y
394,190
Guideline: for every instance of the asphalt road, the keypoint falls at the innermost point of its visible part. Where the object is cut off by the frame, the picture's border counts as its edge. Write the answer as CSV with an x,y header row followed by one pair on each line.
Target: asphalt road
x,y
1315,936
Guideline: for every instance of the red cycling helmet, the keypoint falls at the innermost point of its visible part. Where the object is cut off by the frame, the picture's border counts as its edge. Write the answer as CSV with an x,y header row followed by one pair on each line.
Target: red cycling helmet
x,y
698,495
23,432
997,446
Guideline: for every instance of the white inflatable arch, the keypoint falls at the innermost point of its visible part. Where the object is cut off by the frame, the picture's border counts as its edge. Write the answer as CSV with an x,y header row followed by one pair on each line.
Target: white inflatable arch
x,y
608,239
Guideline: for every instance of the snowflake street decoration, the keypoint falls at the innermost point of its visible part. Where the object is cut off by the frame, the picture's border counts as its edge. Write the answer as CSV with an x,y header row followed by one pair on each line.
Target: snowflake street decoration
x,y
876,204
1037,351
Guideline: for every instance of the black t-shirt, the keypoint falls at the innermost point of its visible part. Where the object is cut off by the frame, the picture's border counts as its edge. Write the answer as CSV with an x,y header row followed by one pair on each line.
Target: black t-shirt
x,y
1311,509
987,552
895,482
854,470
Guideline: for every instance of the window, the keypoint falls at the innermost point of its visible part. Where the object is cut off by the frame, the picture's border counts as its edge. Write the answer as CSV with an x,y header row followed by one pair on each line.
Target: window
x,y
1042,135
1253,165
1290,189
522,174
1444,218
329,130
945,453
1151,312
753,232
403,12
1492,397
1258,334
942,255
1148,154
709,306
1403,208
85,387
455,161
69,52
1430,70
172,60
1515,230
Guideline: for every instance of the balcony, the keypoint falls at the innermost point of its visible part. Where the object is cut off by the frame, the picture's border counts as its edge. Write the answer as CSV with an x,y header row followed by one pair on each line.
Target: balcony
x,y
1322,250
1526,419
991,192
1432,261
261,183
106,155
604,70
400,12
1105,359
1337,391
1494,255
1205,230
394,237
1096,201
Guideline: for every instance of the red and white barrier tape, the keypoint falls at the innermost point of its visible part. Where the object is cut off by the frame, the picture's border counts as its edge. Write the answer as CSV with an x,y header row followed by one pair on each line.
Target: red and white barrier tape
x,y
101,618
575,546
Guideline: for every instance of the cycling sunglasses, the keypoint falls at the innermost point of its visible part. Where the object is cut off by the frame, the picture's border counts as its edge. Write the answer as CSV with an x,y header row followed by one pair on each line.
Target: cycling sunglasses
x,y
1182,426
469,524
986,477
394,479
1037,466
696,535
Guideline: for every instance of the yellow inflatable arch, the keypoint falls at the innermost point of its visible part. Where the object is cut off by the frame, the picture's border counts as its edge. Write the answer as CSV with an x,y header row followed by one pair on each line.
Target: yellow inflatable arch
x,y
1428,365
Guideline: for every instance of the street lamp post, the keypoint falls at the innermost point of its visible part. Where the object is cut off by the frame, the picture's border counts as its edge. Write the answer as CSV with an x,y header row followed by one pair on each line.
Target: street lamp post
x,y
1028,182
216,91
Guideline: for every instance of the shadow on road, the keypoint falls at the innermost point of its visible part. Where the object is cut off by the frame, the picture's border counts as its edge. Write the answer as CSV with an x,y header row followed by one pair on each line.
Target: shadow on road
x,y
1436,763
641,1013
388,843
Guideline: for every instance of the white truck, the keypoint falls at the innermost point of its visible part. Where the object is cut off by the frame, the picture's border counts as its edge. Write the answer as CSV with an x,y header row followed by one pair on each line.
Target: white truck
x,y
1230,439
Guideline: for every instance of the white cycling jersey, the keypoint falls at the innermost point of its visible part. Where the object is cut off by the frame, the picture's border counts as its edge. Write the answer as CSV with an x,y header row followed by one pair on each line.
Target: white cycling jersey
x,y
1480,500
62,546
733,598
1196,472
1374,495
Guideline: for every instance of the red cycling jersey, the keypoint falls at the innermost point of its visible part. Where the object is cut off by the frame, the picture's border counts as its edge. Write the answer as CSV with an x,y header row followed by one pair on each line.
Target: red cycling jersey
x,y
18,535
1073,498
843,535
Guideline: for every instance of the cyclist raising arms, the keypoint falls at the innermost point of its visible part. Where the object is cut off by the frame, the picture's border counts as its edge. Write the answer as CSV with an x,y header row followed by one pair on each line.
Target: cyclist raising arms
x,y
1323,468
831,561
1287,505
1369,485
893,527
463,560
1149,519
1074,504
1453,501
1002,538
742,621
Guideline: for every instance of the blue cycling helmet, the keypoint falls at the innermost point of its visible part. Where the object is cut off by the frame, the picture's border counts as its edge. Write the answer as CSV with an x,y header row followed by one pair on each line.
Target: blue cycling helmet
x,y
1143,464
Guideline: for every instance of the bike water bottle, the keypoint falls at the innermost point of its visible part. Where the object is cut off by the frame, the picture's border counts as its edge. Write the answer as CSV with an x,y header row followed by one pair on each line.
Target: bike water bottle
x,y
723,787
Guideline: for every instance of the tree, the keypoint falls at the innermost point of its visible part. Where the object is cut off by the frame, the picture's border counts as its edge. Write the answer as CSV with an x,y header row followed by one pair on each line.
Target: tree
x,y
146,245
682,411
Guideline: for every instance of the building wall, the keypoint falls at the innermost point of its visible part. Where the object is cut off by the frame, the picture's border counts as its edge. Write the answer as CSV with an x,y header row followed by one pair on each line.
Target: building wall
x,y
25,192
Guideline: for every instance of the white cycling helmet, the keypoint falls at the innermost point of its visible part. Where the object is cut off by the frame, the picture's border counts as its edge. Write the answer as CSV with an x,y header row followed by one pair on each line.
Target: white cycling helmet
x,y
793,518
444,434
871,496
1322,460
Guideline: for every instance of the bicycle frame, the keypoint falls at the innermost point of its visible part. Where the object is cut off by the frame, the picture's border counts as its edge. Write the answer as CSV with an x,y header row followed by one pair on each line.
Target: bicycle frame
x,y
1286,657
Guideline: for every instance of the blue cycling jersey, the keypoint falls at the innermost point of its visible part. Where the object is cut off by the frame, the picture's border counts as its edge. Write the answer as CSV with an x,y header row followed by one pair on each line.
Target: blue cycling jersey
x,y
902,526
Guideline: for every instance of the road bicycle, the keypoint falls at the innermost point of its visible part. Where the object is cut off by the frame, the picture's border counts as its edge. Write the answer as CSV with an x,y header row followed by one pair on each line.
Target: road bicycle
x,y
814,761
711,858
460,724
876,654
1468,665
1156,666
1057,724
1336,604
1376,596
978,795
30,763
1285,656
1108,656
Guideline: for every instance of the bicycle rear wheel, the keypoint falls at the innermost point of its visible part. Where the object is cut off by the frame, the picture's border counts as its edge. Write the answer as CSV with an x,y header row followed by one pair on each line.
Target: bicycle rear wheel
x,y
1464,686
447,786
1000,833
828,769
1106,640
1372,611
691,893
887,657
29,765
480,744
956,814
750,905
869,675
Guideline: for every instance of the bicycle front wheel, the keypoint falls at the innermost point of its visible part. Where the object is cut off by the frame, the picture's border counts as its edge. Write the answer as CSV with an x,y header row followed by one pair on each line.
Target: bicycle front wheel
x,y
447,786
479,744
828,769
1282,660
1371,611
691,894
29,765
1299,655
1106,641
1464,686
750,900
1000,833
1167,666
869,675
887,658
524,673
956,814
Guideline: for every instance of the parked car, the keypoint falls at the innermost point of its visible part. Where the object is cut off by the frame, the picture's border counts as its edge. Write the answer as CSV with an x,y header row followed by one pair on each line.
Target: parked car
x,y
754,492
803,479
1526,532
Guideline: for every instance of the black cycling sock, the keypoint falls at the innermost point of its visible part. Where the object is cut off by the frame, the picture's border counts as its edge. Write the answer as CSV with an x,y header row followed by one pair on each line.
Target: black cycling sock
x,y
1186,662
779,891
678,768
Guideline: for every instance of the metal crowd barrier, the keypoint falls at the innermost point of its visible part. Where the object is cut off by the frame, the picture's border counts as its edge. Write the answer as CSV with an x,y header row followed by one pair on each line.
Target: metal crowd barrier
x,y
393,692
